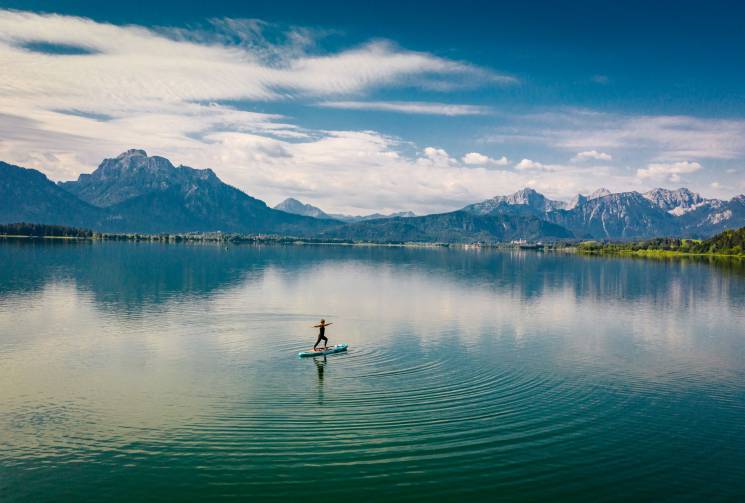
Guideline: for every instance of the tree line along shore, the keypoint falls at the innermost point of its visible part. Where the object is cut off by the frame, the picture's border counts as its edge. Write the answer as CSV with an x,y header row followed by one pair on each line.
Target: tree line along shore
x,y
727,243
44,231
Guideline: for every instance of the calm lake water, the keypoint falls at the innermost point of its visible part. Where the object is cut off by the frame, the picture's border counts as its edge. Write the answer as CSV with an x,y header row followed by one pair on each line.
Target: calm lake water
x,y
169,372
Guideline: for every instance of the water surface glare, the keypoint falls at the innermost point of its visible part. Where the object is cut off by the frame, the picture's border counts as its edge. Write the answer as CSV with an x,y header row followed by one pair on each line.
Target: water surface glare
x,y
169,372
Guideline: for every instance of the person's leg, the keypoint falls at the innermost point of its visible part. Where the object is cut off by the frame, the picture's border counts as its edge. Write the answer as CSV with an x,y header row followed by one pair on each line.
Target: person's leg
x,y
325,342
318,340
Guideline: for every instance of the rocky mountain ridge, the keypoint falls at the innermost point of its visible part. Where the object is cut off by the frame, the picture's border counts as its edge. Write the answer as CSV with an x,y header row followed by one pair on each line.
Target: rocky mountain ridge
x,y
624,215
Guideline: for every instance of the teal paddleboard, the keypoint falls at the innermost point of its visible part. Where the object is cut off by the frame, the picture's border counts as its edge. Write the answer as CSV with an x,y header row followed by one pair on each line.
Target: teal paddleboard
x,y
333,349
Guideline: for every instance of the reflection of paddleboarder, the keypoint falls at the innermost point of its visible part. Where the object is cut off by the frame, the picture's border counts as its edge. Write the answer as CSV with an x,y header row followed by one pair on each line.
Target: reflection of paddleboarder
x,y
321,337
319,368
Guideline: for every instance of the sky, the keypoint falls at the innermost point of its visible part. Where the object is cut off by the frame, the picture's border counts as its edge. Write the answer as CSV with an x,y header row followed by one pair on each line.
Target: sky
x,y
359,107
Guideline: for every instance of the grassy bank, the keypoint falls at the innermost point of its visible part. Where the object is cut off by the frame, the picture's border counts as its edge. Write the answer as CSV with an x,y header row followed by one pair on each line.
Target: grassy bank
x,y
653,253
730,243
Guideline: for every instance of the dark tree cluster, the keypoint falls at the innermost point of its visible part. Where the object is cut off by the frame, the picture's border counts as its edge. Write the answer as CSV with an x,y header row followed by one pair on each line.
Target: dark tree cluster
x,y
42,230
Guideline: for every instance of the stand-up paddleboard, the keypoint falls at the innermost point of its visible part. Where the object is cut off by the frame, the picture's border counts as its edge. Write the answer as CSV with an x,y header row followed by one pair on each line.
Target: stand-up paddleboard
x,y
333,349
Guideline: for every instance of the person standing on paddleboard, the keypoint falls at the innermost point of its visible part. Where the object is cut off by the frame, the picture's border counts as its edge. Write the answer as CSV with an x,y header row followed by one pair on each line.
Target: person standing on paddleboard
x,y
321,331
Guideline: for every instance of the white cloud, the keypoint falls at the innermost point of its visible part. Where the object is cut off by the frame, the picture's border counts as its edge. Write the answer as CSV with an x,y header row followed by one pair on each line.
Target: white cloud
x,y
592,154
668,171
527,164
436,157
358,172
477,159
411,107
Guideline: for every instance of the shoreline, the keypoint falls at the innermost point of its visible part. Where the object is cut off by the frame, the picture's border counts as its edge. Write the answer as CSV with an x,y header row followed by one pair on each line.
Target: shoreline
x,y
238,239
280,240
227,239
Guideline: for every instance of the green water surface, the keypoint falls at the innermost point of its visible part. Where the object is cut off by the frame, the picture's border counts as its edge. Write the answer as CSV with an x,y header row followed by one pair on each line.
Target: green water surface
x,y
150,372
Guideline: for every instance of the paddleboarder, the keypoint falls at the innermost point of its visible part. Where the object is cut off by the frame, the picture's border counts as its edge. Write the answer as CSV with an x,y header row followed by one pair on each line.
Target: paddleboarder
x,y
321,334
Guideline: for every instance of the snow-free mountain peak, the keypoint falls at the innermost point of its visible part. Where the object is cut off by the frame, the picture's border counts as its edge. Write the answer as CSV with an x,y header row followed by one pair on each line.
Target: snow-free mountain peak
x,y
292,205
601,192
527,197
133,173
141,193
575,201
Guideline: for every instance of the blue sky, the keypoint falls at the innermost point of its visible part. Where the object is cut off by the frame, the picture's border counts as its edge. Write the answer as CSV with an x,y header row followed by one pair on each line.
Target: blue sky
x,y
387,105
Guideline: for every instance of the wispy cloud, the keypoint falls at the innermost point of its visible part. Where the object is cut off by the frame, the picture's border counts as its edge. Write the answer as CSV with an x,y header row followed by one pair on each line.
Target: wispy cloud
x,y
270,42
409,107
658,137
673,137
127,64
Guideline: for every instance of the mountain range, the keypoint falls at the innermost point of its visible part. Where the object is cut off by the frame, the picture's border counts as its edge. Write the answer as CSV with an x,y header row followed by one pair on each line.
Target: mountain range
x,y
624,215
134,192
137,193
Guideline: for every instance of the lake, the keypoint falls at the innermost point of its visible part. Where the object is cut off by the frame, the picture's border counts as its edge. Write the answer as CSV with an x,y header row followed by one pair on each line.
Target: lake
x,y
139,371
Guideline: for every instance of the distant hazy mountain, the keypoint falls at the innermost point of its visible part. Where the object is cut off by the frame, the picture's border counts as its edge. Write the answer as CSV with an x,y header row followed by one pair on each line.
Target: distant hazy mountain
x,y
529,199
603,215
291,205
27,195
372,216
457,226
